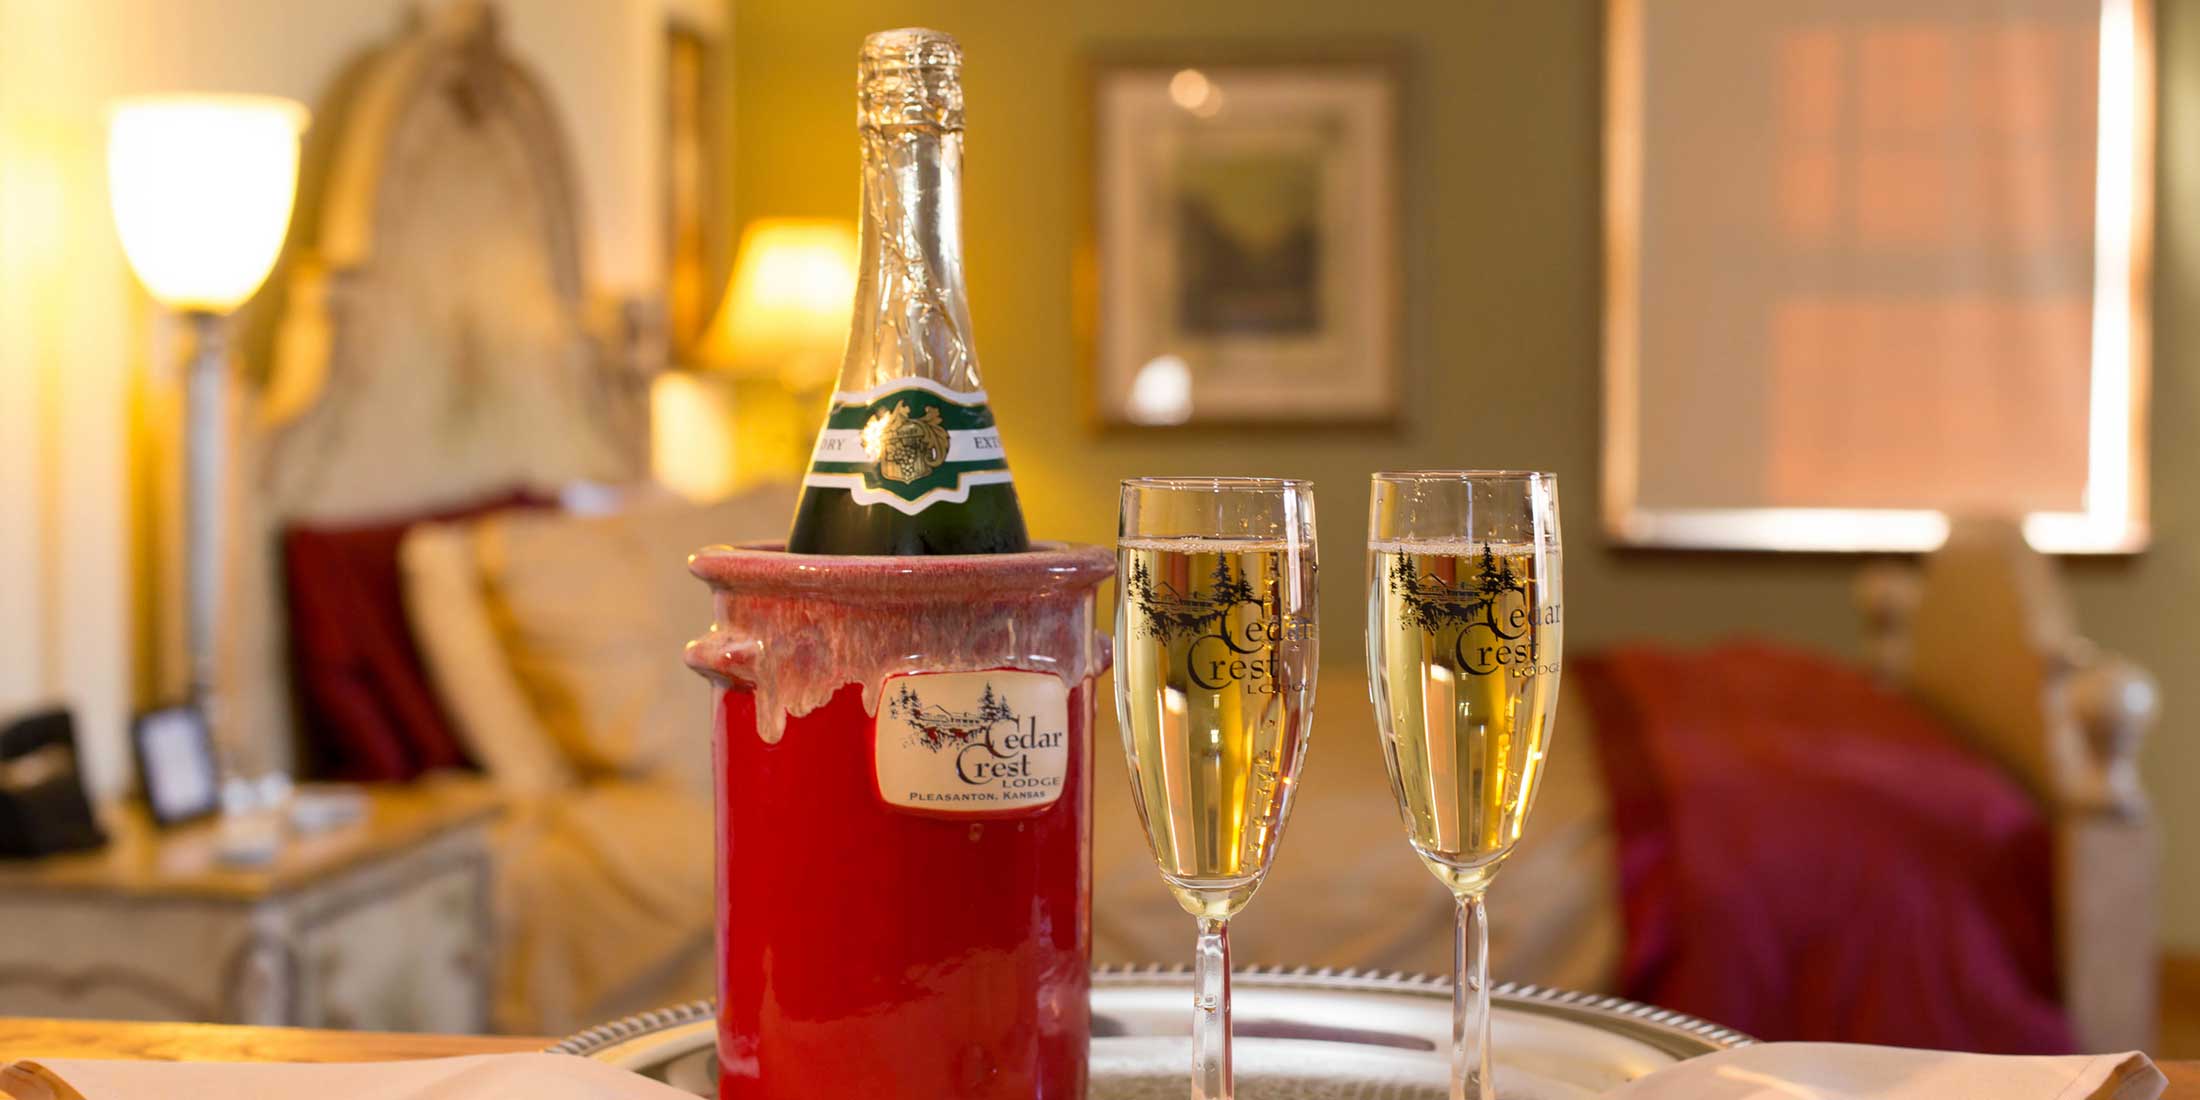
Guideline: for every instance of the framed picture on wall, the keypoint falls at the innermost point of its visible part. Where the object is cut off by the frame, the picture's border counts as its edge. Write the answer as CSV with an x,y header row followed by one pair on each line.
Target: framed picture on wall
x,y
176,762
1244,242
690,179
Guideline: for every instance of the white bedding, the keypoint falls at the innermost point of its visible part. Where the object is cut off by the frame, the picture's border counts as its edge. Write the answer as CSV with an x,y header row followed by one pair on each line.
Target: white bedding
x,y
1346,891
554,642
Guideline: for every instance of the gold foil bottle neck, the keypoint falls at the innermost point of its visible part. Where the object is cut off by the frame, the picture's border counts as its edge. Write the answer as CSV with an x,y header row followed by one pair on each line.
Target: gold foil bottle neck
x,y
910,77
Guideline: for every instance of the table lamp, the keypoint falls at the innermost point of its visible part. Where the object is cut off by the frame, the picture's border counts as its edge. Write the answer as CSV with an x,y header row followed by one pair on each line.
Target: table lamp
x,y
202,188
774,341
786,308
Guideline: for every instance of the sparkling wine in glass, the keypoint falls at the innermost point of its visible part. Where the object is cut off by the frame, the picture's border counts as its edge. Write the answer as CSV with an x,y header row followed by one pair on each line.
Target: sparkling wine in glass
x,y
1215,648
1465,627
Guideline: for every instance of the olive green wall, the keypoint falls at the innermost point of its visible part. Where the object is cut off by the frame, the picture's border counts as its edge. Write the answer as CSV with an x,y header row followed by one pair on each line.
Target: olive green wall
x,y
1501,166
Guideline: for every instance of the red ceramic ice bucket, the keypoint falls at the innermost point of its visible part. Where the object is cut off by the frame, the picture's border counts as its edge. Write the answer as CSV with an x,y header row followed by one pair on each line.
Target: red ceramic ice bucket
x,y
903,751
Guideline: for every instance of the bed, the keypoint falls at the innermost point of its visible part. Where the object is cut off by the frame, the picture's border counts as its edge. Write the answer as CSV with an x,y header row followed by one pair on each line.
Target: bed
x,y
439,384
439,381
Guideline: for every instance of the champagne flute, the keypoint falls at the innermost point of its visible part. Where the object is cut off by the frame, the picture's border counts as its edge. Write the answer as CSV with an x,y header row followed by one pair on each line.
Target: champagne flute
x,y
1464,634
1214,659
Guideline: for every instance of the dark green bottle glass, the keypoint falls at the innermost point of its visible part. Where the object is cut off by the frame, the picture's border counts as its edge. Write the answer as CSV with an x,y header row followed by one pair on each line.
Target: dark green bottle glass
x,y
909,460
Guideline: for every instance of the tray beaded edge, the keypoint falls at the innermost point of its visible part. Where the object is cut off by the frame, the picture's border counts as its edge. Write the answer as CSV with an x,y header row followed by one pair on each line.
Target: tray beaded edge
x,y
606,1035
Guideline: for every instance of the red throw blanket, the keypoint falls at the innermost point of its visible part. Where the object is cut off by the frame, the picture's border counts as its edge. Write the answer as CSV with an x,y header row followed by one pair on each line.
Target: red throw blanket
x,y
1807,855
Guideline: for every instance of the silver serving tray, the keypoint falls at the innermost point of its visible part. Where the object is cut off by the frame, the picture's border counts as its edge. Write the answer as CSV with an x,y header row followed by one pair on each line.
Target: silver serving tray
x,y
1300,1033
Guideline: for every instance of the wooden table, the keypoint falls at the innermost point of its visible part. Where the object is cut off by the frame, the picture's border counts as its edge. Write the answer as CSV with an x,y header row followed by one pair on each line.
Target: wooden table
x,y
141,860
26,1037
380,923
30,1038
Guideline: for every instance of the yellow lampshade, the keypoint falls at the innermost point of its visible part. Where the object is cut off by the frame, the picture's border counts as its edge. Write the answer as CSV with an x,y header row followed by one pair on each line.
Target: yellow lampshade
x,y
786,307
202,187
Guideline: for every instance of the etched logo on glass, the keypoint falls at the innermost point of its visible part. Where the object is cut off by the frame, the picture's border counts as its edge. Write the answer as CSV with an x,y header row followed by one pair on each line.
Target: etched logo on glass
x,y
1233,629
1493,613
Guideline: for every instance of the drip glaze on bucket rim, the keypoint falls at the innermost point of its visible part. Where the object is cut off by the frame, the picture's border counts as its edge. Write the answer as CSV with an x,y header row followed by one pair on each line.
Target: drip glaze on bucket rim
x,y
1048,567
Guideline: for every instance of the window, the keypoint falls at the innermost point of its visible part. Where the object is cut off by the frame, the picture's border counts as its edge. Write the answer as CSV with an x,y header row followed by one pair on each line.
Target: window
x,y
1869,264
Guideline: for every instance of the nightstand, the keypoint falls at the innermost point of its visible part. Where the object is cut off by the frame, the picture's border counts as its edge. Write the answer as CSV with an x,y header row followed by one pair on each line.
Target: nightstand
x,y
380,924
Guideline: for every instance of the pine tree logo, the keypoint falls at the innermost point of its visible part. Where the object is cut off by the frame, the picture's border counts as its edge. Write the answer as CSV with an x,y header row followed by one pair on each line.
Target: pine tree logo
x,y
936,727
1433,605
1166,612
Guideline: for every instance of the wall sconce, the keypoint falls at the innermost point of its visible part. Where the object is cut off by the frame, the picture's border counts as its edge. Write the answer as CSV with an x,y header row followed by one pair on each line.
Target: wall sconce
x,y
692,446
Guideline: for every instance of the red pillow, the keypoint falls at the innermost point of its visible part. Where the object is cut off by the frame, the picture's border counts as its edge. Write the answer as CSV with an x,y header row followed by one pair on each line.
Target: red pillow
x,y
1807,855
368,711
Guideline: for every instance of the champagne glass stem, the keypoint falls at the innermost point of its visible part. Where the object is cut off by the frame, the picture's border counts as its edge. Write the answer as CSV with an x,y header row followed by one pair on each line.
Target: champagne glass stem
x,y
1211,1077
1470,1002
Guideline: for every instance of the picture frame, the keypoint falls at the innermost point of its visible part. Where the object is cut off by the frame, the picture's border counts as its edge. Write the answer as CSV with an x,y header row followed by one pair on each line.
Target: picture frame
x,y
690,151
1244,245
174,749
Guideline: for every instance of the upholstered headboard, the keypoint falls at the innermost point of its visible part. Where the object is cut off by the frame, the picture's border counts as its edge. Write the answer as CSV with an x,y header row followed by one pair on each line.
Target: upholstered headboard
x,y
434,344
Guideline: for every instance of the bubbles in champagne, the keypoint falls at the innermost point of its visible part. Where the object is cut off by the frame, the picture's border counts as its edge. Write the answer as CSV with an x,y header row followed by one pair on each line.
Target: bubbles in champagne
x,y
1215,654
1464,643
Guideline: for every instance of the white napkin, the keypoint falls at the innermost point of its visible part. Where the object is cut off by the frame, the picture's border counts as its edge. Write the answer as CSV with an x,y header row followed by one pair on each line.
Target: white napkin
x,y
1842,1071
475,1077
1769,1071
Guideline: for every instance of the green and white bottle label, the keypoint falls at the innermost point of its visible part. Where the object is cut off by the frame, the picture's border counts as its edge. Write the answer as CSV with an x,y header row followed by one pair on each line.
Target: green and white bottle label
x,y
908,444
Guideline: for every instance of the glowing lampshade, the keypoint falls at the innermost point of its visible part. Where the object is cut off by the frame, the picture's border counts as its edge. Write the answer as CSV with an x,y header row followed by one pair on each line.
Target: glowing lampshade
x,y
787,305
202,187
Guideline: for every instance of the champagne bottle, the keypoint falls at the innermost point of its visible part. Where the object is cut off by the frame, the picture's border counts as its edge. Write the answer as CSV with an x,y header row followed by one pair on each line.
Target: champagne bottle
x,y
909,461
